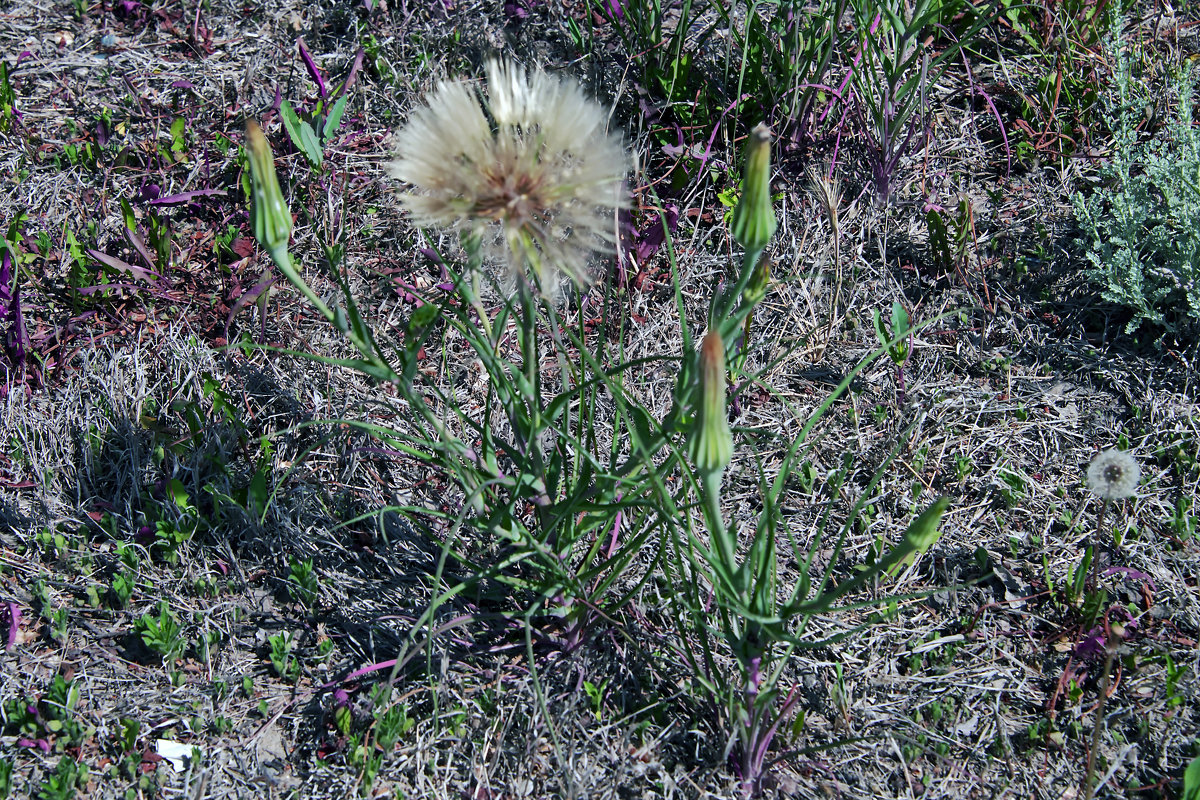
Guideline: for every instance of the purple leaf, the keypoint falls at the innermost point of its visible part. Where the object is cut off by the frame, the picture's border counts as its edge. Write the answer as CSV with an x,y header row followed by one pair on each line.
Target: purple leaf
x,y
516,10
6,277
14,625
186,197
16,338
248,297
183,85
1130,572
136,242
653,237
117,264
311,66
354,68
1092,644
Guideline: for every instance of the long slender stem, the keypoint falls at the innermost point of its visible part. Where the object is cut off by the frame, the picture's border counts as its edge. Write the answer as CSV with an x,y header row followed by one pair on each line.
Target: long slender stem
x,y
1096,547
1089,778
718,534
529,354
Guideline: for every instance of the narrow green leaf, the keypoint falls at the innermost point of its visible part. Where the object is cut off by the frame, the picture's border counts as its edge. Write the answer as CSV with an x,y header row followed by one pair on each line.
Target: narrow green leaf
x,y
334,120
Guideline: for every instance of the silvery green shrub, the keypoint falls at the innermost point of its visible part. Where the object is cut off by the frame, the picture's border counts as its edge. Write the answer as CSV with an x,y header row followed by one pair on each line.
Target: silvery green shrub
x,y
1142,229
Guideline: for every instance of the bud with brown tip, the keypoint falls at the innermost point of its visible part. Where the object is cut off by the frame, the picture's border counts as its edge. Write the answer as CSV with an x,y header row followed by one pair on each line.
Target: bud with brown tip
x,y
711,445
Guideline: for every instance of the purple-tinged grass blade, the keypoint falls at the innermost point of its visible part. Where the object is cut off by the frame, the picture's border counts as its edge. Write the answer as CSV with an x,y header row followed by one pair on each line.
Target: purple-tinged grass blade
x,y
139,244
186,197
113,262
311,66
248,297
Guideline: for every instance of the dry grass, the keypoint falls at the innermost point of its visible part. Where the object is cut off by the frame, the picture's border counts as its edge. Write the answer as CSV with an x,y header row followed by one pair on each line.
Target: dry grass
x,y
961,693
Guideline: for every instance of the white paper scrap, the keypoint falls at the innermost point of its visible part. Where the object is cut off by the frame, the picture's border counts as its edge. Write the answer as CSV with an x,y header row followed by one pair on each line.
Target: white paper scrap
x,y
177,753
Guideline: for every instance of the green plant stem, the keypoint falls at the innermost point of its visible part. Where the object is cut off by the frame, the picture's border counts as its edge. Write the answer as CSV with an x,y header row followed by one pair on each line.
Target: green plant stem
x,y
529,358
723,311
728,303
1096,547
346,321
484,320
719,535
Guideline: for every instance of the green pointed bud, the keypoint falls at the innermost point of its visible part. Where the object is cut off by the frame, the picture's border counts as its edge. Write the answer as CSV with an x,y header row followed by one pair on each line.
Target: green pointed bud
x,y
760,281
753,221
711,445
269,214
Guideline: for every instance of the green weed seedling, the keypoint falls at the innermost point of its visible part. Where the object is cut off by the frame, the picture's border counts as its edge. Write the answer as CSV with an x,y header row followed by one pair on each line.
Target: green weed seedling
x,y
898,341
1072,592
6,769
64,783
806,474
312,132
1012,487
8,100
178,153
170,533
1183,524
596,698
391,724
162,633
963,467
50,718
57,629
950,238
206,643
880,414
121,588
302,581
283,659
130,730
666,45
1173,673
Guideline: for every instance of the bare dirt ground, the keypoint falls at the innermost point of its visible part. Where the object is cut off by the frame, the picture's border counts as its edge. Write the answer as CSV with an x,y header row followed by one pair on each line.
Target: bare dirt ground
x,y
153,543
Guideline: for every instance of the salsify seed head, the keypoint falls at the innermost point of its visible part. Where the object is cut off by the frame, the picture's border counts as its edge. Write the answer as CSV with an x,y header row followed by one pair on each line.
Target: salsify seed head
x,y
1113,475
528,170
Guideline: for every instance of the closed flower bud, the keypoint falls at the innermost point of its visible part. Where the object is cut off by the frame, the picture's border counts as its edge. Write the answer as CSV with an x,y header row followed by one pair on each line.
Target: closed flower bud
x,y
753,221
711,445
269,214
760,280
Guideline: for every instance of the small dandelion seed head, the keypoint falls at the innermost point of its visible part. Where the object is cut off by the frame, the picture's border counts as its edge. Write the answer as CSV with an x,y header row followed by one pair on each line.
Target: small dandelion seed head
x,y
1113,475
527,169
